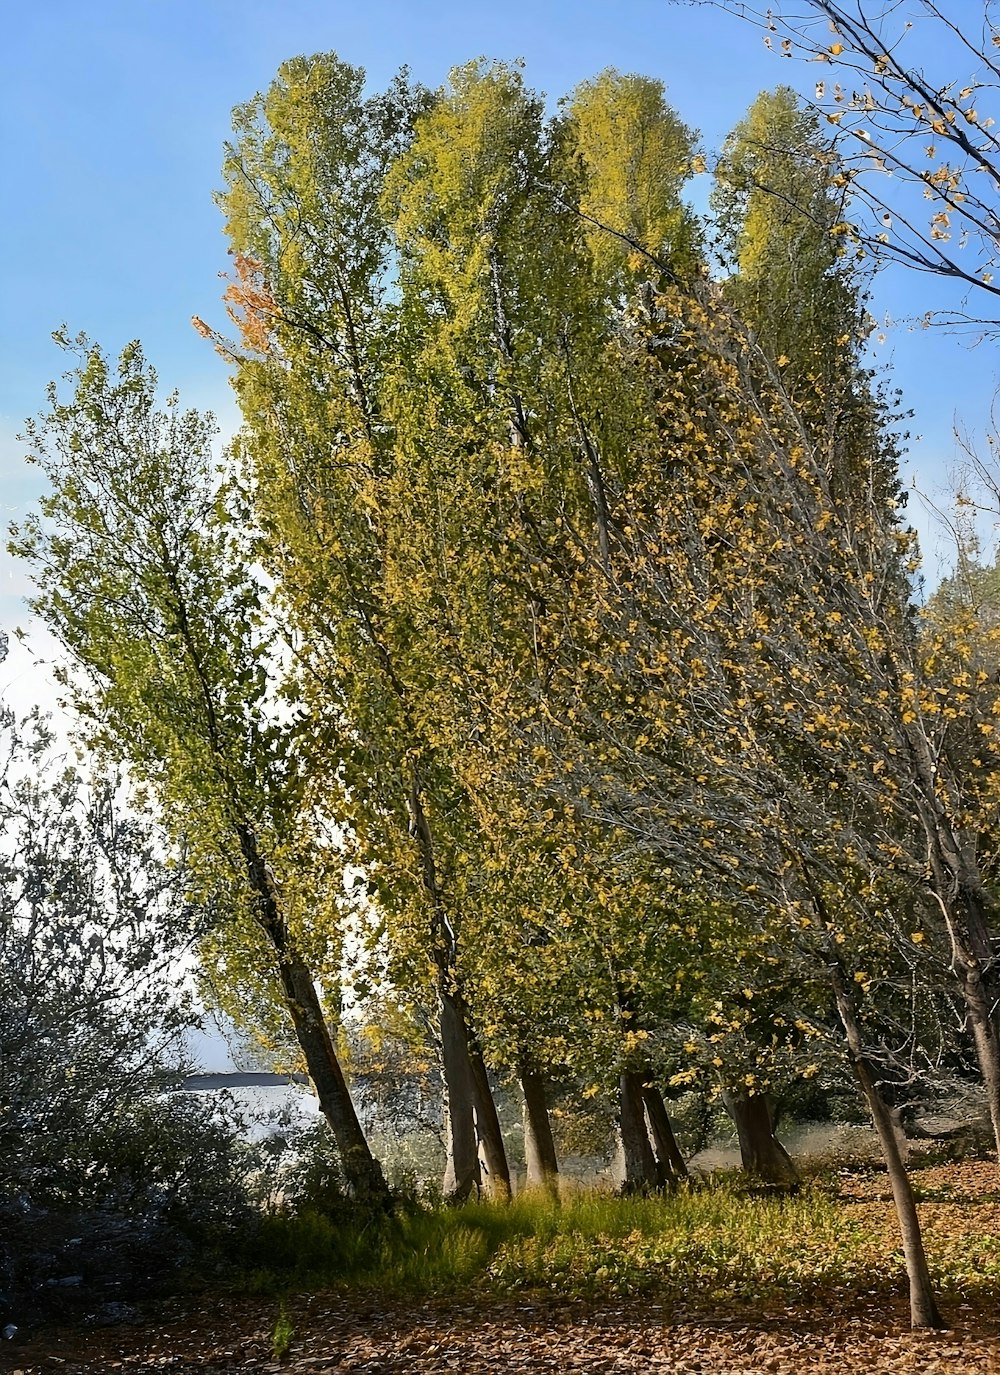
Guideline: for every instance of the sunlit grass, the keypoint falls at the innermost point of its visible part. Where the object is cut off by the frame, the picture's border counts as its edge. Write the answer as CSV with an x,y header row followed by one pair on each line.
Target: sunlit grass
x,y
716,1239
717,1244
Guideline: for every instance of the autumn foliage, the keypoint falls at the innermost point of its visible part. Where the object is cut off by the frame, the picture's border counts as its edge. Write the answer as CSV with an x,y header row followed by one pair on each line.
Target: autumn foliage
x,y
547,663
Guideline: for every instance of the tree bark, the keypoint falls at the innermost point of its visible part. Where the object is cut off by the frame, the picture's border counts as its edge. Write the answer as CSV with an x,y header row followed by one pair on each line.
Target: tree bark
x,y
923,1305
668,1155
639,1170
491,1144
984,1035
968,918
968,924
764,1157
541,1163
362,1172
461,1174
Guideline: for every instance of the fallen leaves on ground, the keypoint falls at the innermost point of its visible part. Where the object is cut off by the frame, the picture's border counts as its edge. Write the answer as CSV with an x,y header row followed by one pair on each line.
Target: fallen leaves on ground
x,y
345,1335
479,1334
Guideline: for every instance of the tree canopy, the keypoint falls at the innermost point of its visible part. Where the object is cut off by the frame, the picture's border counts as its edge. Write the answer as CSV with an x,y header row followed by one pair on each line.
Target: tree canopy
x,y
543,649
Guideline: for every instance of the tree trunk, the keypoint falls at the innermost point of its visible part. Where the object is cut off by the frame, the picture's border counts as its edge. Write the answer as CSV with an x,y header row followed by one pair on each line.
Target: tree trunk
x,y
491,1145
639,1171
968,914
923,1305
668,1155
542,1165
461,1175
984,1035
362,1171
968,923
764,1157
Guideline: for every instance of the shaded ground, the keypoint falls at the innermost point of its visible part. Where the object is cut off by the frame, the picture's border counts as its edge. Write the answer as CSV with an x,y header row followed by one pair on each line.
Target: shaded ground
x,y
861,1331
347,1335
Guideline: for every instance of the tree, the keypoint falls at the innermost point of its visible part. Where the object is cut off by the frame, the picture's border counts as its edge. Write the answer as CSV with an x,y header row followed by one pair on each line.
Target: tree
x,y
935,137
145,568
752,706
803,295
918,148
304,181
510,322
636,156
490,374
777,202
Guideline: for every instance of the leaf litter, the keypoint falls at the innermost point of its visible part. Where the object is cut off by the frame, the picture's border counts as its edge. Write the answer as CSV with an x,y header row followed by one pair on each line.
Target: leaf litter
x,y
479,1333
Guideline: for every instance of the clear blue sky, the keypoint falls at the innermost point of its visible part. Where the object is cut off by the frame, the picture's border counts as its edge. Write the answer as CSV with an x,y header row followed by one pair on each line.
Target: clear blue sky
x,y
112,120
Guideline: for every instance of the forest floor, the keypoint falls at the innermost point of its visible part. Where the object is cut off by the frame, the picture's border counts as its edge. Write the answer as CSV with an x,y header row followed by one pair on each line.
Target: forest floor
x,y
858,1328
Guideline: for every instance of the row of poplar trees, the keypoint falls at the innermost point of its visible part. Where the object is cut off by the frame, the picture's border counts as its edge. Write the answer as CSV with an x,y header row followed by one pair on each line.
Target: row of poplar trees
x,y
542,649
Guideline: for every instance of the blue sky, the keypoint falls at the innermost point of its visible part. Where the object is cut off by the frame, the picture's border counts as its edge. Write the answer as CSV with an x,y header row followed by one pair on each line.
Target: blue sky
x,y
112,120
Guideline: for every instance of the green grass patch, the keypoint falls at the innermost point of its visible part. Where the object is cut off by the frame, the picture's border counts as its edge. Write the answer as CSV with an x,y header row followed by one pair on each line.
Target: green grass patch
x,y
716,1242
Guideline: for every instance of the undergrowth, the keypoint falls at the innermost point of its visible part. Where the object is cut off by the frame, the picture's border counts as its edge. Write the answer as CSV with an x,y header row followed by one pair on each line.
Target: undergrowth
x,y
716,1240
717,1244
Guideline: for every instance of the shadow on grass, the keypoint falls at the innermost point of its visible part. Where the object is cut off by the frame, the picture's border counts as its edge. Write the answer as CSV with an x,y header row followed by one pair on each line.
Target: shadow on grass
x,y
717,1241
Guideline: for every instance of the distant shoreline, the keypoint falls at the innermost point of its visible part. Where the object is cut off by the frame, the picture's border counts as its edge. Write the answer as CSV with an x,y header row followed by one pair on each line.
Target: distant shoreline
x,y
238,1079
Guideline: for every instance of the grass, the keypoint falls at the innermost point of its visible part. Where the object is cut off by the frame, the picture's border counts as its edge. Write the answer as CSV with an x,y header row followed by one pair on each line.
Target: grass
x,y
281,1337
716,1245
717,1241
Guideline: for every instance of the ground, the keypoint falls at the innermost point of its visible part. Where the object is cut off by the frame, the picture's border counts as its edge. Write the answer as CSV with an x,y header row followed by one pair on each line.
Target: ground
x,y
342,1334
478,1332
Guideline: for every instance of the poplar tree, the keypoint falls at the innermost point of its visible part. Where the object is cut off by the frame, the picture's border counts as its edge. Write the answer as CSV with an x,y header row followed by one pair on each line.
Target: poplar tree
x,y
514,329
635,155
779,200
144,565
784,705
305,216
782,195
918,141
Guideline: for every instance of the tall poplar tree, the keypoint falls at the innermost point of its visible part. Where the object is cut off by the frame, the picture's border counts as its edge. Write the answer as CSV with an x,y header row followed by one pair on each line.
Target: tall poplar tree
x,y
636,155
780,202
144,568
315,303
511,474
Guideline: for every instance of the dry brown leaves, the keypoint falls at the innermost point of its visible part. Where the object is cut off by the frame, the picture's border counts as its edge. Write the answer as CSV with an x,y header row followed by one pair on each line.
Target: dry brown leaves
x,y
480,1336
436,1338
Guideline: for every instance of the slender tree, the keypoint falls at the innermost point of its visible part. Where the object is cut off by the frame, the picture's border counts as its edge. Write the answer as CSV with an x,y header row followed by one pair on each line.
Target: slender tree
x,y
911,97
145,576
635,156
803,294
305,215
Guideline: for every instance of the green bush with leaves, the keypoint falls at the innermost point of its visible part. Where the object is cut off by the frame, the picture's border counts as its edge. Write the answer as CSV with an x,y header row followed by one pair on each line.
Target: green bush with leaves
x,y
94,927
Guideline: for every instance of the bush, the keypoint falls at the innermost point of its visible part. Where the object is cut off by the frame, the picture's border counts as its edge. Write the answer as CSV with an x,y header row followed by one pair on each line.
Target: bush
x,y
94,925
